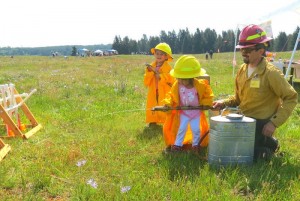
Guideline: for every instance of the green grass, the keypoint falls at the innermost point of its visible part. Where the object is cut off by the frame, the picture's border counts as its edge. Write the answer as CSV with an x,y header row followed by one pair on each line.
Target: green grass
x,y
93,109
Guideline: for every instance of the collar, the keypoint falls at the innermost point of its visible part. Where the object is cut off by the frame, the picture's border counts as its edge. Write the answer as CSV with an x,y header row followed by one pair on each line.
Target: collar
x,y
262,65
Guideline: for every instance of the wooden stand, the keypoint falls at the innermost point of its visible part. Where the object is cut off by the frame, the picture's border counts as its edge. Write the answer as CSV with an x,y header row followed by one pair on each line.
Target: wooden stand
x,y
4,149
9,108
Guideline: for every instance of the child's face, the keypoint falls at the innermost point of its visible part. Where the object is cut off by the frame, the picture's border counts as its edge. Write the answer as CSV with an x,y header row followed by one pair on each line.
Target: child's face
x,y
160,56
185,82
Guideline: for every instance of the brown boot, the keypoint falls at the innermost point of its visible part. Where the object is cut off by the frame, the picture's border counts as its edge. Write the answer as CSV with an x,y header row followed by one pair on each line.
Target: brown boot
x,y
175,148
195,149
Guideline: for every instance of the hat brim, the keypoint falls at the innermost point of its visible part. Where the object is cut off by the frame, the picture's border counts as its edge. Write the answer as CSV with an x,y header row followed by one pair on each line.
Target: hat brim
x,y
252,45
187,76
244,46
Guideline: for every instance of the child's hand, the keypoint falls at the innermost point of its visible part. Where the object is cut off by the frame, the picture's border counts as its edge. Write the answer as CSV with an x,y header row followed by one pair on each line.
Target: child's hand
x,y
150,68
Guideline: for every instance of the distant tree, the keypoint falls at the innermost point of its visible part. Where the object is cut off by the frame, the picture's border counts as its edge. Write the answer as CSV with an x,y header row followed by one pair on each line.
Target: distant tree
x,y
164,37
153,41
226,41
180,41
143,45
198,42
280,43
117,44
125,46
172,37
292,40
220,44
74,51
133,46
187,45
210,38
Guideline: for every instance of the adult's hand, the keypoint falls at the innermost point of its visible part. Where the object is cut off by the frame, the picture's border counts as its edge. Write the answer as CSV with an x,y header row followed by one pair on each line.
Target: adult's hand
x,y
219,104
268,129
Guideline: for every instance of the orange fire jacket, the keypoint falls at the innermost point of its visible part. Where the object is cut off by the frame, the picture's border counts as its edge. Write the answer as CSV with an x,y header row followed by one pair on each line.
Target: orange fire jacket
x,y
154,98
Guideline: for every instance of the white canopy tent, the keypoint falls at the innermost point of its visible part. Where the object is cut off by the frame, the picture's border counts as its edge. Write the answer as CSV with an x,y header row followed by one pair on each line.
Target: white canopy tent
x,y
98,51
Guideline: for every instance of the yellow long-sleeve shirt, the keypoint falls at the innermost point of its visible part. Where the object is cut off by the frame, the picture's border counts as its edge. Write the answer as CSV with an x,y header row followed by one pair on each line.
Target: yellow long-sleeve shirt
x,y
265,94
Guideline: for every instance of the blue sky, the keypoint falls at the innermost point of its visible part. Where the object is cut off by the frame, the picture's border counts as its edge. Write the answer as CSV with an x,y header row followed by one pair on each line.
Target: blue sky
x,y
32,23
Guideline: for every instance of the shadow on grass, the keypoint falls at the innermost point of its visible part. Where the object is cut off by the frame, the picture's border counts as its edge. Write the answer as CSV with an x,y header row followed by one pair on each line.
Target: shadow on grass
x,y
183,165
150,132
274,176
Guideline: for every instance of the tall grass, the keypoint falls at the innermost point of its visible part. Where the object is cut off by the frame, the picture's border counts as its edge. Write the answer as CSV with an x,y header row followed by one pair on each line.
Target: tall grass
x,y
93,110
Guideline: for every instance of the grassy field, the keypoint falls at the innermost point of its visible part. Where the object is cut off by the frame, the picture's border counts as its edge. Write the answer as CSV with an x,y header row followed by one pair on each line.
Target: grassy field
x,y
95,145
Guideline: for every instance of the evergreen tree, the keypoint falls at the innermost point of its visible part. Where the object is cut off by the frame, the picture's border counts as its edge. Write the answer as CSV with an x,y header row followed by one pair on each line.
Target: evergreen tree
x,y
187,45
117,44
164,37
153,41
219,44
180,41
74,51
292,40
143,44
125,46
172,36
133,46
198,42
210,38
280,43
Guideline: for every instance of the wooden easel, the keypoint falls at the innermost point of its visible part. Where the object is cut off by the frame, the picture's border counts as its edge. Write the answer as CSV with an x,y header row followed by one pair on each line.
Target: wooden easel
x,y
4,149
11,101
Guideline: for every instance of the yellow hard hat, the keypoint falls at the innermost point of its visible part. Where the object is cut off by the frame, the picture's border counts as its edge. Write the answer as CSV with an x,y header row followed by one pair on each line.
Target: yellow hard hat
x,y
165,48
187,67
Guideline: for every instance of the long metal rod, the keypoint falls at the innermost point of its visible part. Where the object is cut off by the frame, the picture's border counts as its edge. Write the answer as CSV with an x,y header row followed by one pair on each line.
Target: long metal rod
x,y
200,107
287,73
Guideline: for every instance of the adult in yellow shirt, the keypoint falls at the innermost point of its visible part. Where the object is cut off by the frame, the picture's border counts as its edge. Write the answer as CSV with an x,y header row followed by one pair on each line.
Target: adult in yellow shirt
x,y
261,91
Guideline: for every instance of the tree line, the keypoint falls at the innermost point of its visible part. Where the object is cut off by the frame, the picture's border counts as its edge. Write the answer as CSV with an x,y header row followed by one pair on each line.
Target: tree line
x,y
199,42
181,42
67,50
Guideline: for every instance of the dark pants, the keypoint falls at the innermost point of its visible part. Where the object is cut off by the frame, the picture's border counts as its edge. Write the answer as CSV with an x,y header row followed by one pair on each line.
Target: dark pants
x,y
262,140
264,147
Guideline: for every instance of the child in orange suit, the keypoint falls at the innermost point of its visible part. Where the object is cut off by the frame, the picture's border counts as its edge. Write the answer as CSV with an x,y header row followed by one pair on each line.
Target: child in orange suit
x,y
158,80
187,126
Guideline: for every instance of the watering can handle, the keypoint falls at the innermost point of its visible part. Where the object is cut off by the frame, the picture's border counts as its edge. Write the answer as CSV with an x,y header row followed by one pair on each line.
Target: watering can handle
x,y
237,109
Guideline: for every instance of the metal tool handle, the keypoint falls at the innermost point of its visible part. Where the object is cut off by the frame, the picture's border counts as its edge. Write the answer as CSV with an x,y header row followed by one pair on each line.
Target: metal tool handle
x,y
231,110
165,108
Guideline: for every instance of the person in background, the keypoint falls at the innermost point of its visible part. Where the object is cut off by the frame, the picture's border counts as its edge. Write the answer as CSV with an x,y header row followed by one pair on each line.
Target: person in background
x,y
261,91
211,54
158,80
186,91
